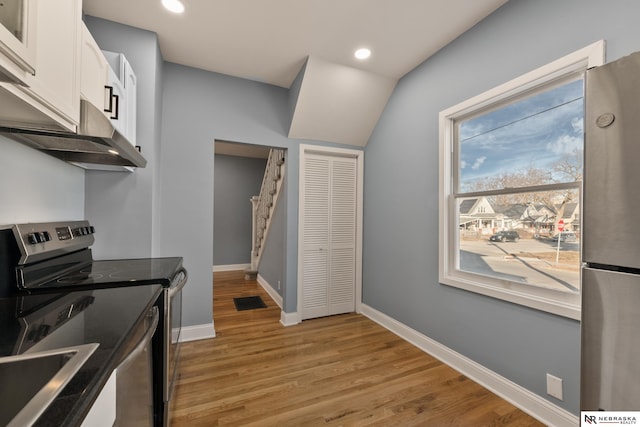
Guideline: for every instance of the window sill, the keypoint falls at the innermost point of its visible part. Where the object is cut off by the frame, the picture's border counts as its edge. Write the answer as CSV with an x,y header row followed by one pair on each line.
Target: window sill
x,y
563,304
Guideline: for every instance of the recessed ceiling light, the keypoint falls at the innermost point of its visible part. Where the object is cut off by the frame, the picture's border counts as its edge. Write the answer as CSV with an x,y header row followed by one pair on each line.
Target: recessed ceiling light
x,y
363,53
175,6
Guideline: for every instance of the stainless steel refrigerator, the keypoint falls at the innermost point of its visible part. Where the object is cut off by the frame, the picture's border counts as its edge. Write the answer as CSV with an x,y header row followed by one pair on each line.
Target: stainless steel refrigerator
x,y
610,352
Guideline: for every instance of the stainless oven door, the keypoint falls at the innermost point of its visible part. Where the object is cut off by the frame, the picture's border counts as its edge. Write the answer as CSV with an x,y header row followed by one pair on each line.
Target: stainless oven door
x,y
134,379
173,325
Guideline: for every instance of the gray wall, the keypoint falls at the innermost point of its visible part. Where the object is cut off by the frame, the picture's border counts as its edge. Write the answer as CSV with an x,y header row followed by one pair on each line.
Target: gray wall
x,y
200,107
50,190
236,180
122,205
401,189
273,262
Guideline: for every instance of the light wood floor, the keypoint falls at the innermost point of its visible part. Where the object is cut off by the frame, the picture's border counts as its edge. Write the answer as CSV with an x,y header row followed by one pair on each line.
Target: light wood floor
x,y
336,371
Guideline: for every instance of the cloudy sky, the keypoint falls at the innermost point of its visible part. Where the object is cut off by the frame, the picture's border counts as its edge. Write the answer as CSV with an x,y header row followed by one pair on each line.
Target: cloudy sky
x,y
534,132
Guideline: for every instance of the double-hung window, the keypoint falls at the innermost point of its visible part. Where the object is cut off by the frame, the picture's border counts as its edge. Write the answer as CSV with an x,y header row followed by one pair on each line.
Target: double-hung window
x,y
510,187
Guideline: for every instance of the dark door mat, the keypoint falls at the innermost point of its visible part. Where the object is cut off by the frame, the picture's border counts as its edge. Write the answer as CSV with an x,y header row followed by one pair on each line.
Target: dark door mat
x,y
249,303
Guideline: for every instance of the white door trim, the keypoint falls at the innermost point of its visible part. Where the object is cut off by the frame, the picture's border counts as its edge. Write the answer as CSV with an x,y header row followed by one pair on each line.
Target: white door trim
x,y
335,152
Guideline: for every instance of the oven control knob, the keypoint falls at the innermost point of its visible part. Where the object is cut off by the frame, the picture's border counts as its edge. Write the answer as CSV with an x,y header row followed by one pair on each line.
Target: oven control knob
x,y
47,236
92,229
32,238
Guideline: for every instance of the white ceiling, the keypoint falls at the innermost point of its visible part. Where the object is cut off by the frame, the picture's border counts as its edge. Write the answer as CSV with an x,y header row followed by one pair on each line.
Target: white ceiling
x,y
230,148
269,40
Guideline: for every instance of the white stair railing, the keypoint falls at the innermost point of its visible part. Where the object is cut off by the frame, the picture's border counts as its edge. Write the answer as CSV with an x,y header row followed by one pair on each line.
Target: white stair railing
x,y
264,204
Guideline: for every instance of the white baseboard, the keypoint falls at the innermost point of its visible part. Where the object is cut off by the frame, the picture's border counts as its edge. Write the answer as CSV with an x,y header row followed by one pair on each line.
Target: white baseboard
x,y
289,319
275,296
230,267
197,332
529,402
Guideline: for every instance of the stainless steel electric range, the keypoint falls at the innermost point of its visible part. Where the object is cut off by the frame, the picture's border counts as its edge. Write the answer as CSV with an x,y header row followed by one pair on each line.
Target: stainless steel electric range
x,y
41,258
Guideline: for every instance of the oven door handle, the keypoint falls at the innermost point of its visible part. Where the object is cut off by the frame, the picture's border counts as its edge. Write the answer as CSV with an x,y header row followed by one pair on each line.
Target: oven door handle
x,y
175,289
141,345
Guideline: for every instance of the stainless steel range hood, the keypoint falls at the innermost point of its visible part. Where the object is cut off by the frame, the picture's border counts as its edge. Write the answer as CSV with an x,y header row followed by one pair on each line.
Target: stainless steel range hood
x,y
96,145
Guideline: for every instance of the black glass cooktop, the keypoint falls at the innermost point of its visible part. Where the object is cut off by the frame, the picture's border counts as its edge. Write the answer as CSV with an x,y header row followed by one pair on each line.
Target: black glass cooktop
x,y
115,273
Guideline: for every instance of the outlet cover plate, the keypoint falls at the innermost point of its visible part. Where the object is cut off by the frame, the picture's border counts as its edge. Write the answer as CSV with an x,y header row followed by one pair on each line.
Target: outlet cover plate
x,y
554,386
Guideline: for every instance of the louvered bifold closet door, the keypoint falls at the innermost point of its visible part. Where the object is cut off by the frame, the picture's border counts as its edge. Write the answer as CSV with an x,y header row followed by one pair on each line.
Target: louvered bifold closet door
x,y
315,275
329,236
342,240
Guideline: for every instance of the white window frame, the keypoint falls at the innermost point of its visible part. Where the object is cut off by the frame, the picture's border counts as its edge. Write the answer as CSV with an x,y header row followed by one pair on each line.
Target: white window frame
x,y
561,303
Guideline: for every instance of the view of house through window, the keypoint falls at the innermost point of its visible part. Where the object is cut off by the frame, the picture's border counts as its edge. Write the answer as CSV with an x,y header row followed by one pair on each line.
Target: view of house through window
x,y
517,173
511,161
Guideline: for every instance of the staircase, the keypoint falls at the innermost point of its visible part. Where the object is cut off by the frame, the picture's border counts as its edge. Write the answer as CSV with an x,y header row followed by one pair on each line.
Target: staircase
x,y
263,207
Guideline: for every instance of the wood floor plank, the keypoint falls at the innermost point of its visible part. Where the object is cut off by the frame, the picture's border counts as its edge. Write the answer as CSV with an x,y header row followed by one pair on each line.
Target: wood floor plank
x,y
335,371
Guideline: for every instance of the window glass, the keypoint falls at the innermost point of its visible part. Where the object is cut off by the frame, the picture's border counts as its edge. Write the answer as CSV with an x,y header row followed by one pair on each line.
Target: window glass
x,y
515,237
527,142
507,230
11,17
510,187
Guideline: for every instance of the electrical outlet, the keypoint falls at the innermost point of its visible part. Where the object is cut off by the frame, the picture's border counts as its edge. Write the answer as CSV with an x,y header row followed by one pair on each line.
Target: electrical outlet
x,y
554,386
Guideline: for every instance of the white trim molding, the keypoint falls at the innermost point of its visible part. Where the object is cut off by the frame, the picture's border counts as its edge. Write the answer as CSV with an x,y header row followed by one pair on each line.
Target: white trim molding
x,y
290,319
230,267
536,406
286,319
306,149
197,332
275,296
558,302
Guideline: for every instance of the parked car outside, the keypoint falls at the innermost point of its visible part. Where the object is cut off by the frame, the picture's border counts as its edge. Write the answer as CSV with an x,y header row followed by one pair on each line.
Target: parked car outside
x,y
565,236
505,236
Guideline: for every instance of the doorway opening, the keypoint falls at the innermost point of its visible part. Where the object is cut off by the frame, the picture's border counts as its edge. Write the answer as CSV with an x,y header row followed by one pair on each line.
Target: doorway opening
x,y
239,172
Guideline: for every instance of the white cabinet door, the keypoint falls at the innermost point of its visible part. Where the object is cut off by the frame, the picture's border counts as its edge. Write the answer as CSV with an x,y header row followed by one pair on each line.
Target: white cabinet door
x,y
123,84
130,89
103,411
52,98
94,71
57,79
17,39
329,235
116,103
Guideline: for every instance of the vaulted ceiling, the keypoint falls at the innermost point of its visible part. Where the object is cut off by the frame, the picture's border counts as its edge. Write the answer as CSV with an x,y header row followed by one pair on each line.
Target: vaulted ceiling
x,y
269,40
338,97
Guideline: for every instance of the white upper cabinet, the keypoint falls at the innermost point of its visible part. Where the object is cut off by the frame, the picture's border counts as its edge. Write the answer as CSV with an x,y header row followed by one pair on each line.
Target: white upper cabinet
x,y
130,88
17,39
68,66
109,83
94,71
50,99
122,88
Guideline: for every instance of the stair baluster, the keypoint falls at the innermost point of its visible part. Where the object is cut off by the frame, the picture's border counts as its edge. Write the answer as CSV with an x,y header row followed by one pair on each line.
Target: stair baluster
x,y
263,206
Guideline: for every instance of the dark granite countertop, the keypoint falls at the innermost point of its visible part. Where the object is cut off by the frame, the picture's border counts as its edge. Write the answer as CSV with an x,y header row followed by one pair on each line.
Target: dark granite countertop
x,y
51,321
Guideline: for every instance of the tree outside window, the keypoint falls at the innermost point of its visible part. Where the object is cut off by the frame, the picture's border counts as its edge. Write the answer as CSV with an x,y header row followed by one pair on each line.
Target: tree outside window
x,y
511,179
